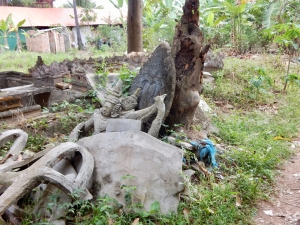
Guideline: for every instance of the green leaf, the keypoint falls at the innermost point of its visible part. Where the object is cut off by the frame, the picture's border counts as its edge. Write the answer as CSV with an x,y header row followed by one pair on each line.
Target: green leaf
x,y
21,23
210,19
273,10
120,3
168,3
3,26
295,45
25,34
241,8
9,19
220,19
155,207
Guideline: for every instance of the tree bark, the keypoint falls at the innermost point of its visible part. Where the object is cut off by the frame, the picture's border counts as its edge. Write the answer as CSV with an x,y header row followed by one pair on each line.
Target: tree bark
x,y
188,53
134,26
79,40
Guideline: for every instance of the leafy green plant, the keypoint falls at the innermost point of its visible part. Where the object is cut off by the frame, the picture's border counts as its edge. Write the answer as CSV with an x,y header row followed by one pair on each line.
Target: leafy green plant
x,y
5,29
293,79
112,34
68,113
259,82
53,201
285,35
78,207
280,12
36,142
102,74
159,21
15,28
129,190
5,148
127,76
229,12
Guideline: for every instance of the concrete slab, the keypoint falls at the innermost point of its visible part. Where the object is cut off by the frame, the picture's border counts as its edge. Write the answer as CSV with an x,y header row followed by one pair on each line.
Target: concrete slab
x,y
117,125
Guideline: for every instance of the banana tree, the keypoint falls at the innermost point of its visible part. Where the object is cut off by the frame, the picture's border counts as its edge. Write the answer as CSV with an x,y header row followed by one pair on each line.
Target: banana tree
x,y
4,29
233,14
281,11
15,28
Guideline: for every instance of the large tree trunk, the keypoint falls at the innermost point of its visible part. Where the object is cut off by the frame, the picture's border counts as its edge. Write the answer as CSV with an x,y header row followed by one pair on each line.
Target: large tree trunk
x,y
134,26
79,40
188,53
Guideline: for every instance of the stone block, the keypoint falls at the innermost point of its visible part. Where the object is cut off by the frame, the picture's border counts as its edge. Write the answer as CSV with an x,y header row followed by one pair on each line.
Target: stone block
x,y
118,125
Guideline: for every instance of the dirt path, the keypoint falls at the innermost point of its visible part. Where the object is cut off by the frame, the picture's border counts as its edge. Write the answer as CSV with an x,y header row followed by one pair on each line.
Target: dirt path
x,y
283,208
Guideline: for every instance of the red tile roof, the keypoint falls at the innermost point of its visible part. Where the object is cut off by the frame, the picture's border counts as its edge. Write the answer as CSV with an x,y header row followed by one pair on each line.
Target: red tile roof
x,y
45,17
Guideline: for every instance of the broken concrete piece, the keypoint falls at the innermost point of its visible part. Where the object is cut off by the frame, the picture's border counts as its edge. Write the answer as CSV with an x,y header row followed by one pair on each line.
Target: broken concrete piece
x,y
117,125
20,140
92,80
27,154
154,165
20,183
183,144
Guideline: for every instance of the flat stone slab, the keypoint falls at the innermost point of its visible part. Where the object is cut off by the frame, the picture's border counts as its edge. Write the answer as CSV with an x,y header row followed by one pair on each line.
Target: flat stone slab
x,y
118,125
153,167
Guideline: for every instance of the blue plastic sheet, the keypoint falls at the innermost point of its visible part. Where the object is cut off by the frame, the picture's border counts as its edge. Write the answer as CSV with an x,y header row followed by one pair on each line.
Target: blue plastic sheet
x,y
206,151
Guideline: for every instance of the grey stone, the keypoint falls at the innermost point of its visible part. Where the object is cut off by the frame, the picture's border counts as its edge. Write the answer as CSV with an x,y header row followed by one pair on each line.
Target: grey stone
x,y
156,77
202,117
58,222
115,125
188,178
213,62
206,74
26,154
204,106
154,165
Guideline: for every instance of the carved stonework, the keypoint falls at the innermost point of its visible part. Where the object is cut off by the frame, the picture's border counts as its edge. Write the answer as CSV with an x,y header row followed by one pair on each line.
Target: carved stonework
x,y
156,77
44,75
116,106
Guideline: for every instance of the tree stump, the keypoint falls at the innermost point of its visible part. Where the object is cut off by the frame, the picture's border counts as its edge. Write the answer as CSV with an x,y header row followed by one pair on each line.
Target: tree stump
x,y
188,53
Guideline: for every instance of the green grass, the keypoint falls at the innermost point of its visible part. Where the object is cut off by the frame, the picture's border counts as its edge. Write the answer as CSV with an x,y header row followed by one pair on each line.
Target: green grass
x,y
248,82
20,62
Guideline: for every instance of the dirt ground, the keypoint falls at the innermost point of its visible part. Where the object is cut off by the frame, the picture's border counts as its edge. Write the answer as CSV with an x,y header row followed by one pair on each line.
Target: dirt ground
x,y
283,208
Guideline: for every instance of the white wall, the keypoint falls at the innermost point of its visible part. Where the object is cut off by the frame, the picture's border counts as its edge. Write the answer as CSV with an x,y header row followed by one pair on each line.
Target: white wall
x,y
85,32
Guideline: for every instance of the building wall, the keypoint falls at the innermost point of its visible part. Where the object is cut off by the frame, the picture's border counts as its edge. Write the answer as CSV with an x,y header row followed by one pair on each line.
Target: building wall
x,y
3,2
59,42
85,32
51,41
39,43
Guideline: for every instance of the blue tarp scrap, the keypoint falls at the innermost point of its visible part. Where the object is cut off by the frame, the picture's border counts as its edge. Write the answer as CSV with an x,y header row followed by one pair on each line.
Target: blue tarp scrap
x,y
206,151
